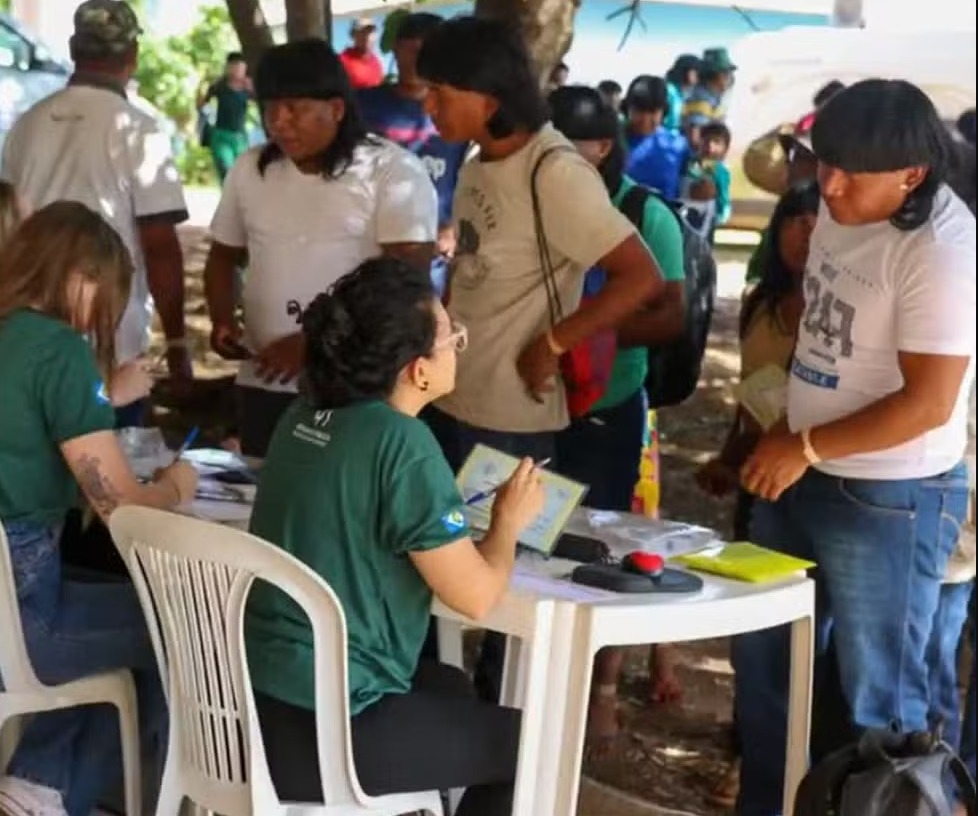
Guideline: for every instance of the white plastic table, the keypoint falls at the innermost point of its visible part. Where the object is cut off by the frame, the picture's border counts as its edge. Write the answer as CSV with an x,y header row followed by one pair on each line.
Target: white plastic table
x,y
555,628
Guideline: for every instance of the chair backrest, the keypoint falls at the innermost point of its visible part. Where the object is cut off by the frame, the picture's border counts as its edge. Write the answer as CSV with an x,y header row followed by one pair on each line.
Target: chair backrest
x,y
193,579
16,672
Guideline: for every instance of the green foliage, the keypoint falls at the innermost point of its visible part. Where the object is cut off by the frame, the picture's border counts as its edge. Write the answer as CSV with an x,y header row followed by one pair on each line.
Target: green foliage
x,y
171,73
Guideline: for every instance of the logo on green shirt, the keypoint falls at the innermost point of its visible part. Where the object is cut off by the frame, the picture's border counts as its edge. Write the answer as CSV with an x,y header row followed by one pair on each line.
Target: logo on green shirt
x,y
102,393
453,522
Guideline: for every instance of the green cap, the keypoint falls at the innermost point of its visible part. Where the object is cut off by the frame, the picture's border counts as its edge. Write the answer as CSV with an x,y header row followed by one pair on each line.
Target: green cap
x,y
717,59
105,27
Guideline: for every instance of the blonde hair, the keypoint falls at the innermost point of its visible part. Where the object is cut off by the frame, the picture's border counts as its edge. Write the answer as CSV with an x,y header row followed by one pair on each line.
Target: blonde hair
x,y
59,240
10,212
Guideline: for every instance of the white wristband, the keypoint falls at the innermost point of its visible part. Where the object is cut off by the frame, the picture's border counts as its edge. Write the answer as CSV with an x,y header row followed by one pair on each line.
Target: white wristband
x,y
806,447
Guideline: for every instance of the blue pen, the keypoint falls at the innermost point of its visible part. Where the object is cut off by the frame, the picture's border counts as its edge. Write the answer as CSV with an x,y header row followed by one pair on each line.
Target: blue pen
x,y
186,443
482,495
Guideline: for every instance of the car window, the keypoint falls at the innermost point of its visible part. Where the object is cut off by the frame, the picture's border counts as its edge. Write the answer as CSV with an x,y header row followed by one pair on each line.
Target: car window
x,y
15,51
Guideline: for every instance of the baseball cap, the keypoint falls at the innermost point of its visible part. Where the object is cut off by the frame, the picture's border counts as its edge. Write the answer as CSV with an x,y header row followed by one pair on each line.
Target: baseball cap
x,y
362,24
107,27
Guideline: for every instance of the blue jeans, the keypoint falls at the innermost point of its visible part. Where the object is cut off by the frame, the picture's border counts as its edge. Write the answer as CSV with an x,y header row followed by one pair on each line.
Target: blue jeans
x,y
457,440
968,728
942,660
132,415
881,548
73,630
603,450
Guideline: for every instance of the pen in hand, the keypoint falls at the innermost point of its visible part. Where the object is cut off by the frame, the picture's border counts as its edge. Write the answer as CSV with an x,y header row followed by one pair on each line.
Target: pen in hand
x,y
186,444
482,495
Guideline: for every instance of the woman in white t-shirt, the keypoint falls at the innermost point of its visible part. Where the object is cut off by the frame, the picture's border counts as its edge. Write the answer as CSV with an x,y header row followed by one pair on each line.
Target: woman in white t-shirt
x,y
305,209
867,478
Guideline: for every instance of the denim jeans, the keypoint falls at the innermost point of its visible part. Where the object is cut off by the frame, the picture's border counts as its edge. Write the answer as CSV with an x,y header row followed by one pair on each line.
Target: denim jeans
x,y
72,630
968,727
881,548
603,450
457,440
942,660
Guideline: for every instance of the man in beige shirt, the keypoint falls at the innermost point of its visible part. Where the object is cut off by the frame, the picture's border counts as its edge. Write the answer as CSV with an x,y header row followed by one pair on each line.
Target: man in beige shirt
x,y
508,392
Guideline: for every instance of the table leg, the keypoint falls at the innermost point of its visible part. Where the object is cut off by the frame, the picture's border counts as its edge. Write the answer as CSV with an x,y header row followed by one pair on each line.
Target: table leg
x,y
534,669
799,709
449,642
513,681
570,747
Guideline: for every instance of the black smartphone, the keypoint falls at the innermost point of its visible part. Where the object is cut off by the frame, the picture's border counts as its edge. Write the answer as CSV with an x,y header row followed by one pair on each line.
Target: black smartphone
x,y
583,549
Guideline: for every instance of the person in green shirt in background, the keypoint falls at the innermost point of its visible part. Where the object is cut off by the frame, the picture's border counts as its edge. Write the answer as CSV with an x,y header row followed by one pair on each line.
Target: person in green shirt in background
x,y
603,449
356,487
64,278
227,137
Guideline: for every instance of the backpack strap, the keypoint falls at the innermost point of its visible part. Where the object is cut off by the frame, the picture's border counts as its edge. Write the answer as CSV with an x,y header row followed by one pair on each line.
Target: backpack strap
x,y
543,248
966,785
632,205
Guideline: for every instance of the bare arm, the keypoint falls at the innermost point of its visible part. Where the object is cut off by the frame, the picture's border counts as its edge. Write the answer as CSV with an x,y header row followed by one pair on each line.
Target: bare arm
x,y
931,383
419,255
164,271
660,323
634,280
104,475
219,271
467,578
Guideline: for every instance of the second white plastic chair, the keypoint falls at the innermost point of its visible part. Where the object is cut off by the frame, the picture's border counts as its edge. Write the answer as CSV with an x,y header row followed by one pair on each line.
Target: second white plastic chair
x,y
193,579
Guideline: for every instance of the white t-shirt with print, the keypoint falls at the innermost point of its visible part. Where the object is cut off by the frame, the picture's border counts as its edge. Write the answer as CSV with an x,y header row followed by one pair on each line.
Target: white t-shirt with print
x,y
303,231
871,292
90,144
497,287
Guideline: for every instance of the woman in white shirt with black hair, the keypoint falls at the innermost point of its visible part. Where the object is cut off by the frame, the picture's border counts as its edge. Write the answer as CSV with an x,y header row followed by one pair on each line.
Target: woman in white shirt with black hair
x,y
866,478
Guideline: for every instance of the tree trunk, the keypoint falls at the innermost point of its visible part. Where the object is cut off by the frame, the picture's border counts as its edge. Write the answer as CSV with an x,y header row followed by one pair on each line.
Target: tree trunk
x,y
547,26
251,27
305,19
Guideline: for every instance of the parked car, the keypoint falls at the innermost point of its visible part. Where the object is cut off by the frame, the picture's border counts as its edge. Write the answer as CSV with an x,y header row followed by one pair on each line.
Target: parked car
x,y
28,72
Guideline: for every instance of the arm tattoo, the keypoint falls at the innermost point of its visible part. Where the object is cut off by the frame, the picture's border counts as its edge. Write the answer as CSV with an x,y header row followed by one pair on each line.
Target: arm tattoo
x,y
96,485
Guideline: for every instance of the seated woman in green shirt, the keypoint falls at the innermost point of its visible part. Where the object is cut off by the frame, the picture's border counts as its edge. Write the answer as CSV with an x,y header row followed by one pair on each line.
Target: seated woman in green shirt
x,y
604,448
64,277
356,487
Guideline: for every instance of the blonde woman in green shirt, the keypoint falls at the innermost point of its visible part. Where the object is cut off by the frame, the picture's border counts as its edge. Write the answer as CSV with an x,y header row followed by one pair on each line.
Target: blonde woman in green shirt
x,y
64,281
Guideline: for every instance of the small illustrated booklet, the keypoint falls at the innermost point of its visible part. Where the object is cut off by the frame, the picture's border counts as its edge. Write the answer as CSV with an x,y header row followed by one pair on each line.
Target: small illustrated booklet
x,y
764,395
486,469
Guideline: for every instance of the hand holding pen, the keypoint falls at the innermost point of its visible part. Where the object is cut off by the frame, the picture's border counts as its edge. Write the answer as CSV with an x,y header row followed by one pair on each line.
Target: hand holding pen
x,y
482,495
519,499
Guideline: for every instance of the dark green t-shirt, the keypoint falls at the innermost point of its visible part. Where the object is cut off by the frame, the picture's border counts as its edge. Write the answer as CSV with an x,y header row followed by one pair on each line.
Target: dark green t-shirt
x,y
663,235
232,106
350,493
51,392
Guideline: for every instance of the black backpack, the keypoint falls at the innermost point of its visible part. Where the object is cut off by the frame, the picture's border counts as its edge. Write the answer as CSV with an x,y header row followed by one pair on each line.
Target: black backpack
x,y
886,774
674,369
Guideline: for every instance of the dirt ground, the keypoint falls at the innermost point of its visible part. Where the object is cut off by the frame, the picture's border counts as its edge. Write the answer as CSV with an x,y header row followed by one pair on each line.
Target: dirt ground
x,y
667,755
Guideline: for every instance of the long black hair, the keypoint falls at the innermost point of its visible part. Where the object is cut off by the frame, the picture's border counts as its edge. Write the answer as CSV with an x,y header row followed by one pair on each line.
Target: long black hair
x,y
777,281
310,69
362,331
883,125
487,57
582,114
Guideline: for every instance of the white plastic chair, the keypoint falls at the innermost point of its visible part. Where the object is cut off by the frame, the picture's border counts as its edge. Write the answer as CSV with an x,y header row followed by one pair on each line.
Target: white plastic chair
x,y
193,578
23,693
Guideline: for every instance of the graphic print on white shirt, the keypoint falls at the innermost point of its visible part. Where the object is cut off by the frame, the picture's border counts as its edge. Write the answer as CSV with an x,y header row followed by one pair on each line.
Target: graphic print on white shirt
x,y
303,231
871,292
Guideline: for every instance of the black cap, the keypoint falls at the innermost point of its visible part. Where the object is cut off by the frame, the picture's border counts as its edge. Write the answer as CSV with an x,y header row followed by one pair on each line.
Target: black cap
x,y
581,114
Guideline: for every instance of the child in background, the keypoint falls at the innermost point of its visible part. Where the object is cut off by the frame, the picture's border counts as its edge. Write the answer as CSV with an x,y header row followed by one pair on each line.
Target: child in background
x,y
706,186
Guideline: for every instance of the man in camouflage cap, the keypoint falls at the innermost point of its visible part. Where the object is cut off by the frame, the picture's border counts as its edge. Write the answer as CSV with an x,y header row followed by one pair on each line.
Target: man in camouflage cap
x,y
105,28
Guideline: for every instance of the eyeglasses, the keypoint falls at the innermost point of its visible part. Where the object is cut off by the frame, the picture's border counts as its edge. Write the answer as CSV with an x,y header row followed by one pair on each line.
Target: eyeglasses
x,y
459,338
